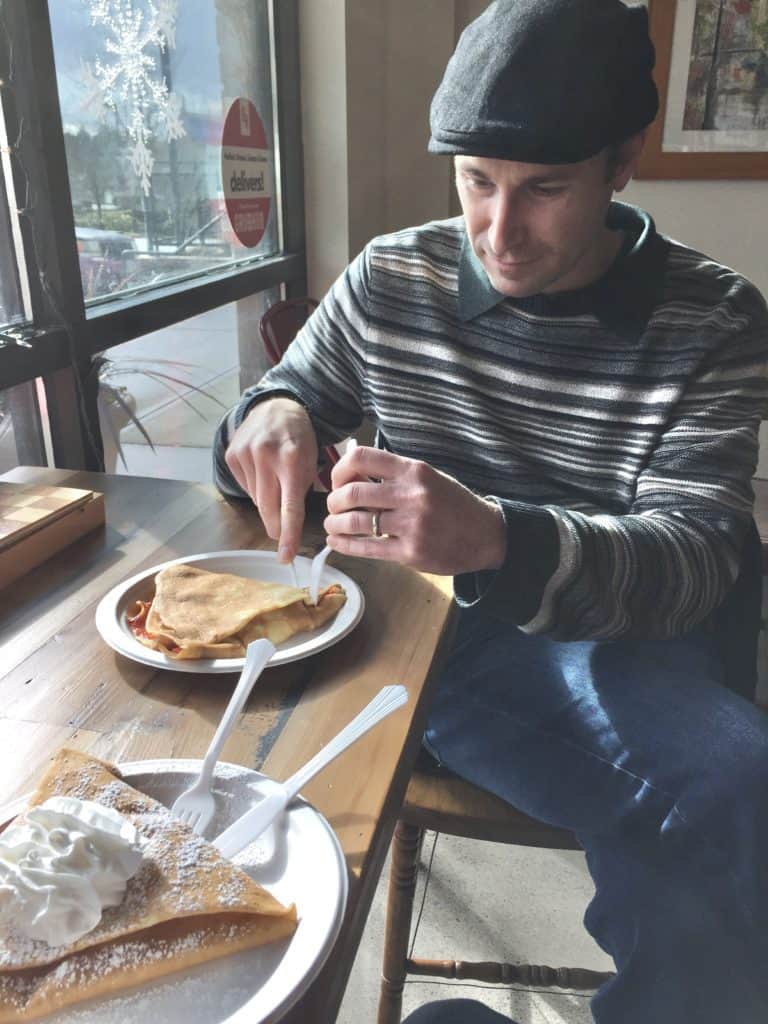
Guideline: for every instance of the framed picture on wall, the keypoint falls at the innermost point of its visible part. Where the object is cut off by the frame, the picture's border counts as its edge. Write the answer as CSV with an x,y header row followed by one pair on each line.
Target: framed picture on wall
x,y
712,76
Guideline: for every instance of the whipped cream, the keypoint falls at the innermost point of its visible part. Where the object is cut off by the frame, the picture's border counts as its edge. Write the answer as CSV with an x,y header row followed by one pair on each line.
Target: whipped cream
x,y
61,865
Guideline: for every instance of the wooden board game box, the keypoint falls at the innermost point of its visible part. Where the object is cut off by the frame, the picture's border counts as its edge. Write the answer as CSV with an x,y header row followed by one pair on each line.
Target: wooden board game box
x,y
37,521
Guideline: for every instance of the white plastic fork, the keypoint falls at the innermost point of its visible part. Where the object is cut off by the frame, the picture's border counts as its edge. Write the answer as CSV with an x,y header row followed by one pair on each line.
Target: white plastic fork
x,y
249,826
195,806
315,572
318,562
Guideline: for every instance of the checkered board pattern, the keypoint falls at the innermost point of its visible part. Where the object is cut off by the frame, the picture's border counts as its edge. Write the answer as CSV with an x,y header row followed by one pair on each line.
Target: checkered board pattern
x,y
25,508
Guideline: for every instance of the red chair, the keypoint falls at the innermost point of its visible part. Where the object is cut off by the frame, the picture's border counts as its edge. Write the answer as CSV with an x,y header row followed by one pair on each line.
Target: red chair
x,y
282,322
278,327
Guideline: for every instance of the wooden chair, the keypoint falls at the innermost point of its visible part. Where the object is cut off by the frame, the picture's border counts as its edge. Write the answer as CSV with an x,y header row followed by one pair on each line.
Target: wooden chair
x,y
278,327
438,800
442,802
282,322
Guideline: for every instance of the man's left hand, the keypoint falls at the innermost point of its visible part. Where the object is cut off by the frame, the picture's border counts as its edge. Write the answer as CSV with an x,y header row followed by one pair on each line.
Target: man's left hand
x,y
427,519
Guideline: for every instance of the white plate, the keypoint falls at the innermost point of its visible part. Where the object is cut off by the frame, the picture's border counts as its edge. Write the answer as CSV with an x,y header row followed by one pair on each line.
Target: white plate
x,y
298,860
261,565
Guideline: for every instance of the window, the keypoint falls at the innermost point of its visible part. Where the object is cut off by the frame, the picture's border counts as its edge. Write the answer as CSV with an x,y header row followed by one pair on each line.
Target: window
x,y
10,292
168,193
21,429
158,417
144,90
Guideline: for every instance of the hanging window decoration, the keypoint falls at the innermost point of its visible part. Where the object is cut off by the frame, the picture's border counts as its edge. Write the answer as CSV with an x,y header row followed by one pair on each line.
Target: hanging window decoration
x,y
130,79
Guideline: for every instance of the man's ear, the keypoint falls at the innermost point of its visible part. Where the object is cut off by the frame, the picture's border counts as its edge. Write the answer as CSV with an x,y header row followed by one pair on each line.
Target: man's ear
x,y
628,159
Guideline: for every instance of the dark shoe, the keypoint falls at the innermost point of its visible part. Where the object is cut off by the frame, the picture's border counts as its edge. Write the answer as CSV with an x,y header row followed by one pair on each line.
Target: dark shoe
x,y
456,1011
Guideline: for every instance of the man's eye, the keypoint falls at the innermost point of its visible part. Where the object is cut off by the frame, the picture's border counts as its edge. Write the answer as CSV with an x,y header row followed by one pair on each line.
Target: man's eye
x,y
547,191
479,183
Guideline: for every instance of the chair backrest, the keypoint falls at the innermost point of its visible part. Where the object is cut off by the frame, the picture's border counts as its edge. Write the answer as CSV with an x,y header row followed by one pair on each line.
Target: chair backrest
x,y
282,322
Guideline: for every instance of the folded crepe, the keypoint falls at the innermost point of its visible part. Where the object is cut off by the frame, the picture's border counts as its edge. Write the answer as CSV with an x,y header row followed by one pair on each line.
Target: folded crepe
x,y
185,905
201,614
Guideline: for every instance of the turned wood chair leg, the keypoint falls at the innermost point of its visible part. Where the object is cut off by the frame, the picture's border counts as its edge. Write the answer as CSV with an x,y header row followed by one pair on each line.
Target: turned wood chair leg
x,y
406,844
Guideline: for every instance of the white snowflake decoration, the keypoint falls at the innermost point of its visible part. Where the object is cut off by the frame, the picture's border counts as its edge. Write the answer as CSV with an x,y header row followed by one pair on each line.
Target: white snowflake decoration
x,y
166,20
171,117
131,78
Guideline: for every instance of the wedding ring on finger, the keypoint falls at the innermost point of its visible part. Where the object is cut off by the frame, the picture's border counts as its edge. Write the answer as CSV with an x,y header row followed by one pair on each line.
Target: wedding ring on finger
x,y
376,526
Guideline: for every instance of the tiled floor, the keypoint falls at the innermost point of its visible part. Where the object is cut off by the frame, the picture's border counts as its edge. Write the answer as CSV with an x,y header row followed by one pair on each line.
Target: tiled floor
x,y
169,462
487,901
180,380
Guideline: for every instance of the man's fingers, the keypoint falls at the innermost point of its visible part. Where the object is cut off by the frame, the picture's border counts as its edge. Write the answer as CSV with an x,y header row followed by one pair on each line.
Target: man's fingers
x,y
360,523
237,470
268,504
282,512
364,462
273,457
243,470
361,494
291,521
251,479
385,549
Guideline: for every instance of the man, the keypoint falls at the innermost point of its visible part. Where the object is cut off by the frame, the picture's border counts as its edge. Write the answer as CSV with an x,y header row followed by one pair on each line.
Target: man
x,y
567,407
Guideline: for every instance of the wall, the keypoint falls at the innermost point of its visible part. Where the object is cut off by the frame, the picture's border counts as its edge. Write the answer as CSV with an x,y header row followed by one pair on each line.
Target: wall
x,y
725,219
396,53
324,126
369,69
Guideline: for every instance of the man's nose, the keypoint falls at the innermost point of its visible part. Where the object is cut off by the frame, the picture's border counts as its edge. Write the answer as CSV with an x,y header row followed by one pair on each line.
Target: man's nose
x,y
507,229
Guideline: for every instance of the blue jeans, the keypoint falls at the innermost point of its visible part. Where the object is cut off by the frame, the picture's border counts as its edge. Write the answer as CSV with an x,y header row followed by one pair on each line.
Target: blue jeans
x,y
661,772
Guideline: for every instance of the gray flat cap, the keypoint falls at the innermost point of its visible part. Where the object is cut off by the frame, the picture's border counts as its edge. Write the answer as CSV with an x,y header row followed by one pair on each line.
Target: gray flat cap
x,y
546,81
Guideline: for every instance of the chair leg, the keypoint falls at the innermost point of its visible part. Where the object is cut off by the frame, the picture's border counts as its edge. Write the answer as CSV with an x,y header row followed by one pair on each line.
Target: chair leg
x,y
406,844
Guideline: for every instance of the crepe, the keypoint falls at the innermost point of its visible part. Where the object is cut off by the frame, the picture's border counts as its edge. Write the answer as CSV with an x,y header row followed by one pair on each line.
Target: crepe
x,y
201,614
186,905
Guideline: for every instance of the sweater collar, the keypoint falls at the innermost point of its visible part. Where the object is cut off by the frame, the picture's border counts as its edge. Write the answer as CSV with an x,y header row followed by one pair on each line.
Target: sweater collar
x,y
622,299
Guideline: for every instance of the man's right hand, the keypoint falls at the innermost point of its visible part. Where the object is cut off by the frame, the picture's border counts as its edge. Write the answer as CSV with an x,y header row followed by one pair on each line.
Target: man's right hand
x,y
273,457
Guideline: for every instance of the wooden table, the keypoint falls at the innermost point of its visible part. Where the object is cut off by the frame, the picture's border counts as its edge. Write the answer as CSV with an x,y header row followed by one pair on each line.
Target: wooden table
x,y
61,684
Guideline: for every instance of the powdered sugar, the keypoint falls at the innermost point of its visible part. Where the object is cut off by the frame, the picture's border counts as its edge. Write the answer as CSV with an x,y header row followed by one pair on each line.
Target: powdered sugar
x,y
172,857
183,998
70,974
300,862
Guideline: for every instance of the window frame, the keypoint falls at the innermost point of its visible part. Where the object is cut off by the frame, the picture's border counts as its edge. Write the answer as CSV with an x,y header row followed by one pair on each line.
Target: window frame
x,y
59,341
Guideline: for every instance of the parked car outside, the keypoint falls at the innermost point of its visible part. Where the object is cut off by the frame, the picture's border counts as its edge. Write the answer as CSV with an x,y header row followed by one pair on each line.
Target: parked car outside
x,y
108,259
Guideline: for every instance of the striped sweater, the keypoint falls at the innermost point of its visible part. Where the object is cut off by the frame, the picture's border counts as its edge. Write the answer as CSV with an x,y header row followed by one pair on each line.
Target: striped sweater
x,y
615,425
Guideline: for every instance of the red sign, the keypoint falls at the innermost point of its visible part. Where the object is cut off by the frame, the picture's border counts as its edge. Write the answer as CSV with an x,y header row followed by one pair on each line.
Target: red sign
x,y
246,172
